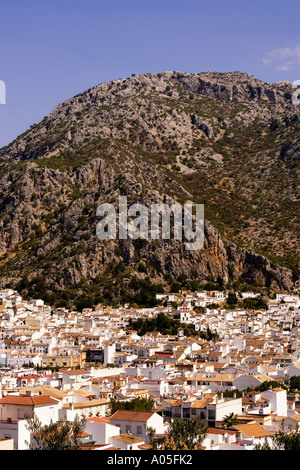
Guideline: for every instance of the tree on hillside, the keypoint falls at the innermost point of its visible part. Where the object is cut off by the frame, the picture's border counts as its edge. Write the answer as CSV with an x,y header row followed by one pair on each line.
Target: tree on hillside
x,y
232,299
167,325
255,304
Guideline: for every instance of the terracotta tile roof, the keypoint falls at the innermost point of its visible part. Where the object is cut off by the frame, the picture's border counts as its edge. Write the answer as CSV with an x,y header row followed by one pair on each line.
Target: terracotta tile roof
x,y
171,401
91,403
217,378
252,430
97,447
98,419
201,403
221,431
28,377
295,417
76,372
27,400
124,415
46,390
144,447
128,438
84,393
247,400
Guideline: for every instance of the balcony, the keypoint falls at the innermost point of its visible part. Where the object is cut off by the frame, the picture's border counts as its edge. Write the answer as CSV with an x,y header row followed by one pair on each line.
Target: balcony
x,y
8,421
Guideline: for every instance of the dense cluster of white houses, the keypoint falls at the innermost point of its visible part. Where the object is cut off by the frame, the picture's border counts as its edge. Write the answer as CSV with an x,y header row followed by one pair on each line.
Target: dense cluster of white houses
x,y
56,363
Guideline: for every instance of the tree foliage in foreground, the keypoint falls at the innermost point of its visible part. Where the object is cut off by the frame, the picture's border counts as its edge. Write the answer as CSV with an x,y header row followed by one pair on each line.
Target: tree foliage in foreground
x,y
282,440
182,434
59,435
230,420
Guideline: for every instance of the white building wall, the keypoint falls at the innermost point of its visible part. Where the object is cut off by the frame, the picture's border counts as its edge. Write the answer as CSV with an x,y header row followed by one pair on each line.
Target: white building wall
x,y
3,359
278,401
6,444
17,430
102,432
228,406
107,371
47,413
155,422
155,388
109,352
23,439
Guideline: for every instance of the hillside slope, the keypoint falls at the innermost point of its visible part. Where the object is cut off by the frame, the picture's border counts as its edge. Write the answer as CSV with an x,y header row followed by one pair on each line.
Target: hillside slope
x,y
228,141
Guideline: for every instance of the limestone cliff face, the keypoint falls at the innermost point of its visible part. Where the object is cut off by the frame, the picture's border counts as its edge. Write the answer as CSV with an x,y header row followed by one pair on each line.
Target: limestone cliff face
x,y
215,139
48,219
258,270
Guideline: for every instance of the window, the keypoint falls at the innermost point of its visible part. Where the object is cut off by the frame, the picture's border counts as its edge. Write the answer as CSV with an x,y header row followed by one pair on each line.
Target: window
x,y
139,430
20,413
128,428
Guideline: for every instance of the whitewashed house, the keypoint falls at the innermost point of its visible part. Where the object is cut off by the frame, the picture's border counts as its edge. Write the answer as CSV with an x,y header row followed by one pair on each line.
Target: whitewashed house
x,y
278,401
137,422
101,430
14,409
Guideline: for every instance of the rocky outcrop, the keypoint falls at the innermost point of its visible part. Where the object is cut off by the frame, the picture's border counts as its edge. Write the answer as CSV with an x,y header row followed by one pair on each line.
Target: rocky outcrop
x,y
257,270
168,137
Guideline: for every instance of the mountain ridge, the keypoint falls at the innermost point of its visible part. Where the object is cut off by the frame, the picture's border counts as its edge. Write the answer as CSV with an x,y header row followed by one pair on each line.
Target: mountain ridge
x,y
213,138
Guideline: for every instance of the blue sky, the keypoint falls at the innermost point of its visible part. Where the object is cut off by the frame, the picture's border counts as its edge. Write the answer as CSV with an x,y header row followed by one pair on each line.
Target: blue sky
x,y
51,50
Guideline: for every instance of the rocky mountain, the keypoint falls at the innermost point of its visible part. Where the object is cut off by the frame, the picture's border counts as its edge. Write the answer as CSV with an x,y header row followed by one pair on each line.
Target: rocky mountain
x,y
228,141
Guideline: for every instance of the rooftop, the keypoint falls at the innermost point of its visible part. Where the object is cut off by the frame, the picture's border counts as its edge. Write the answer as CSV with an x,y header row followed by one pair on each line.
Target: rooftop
x,y
125,415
